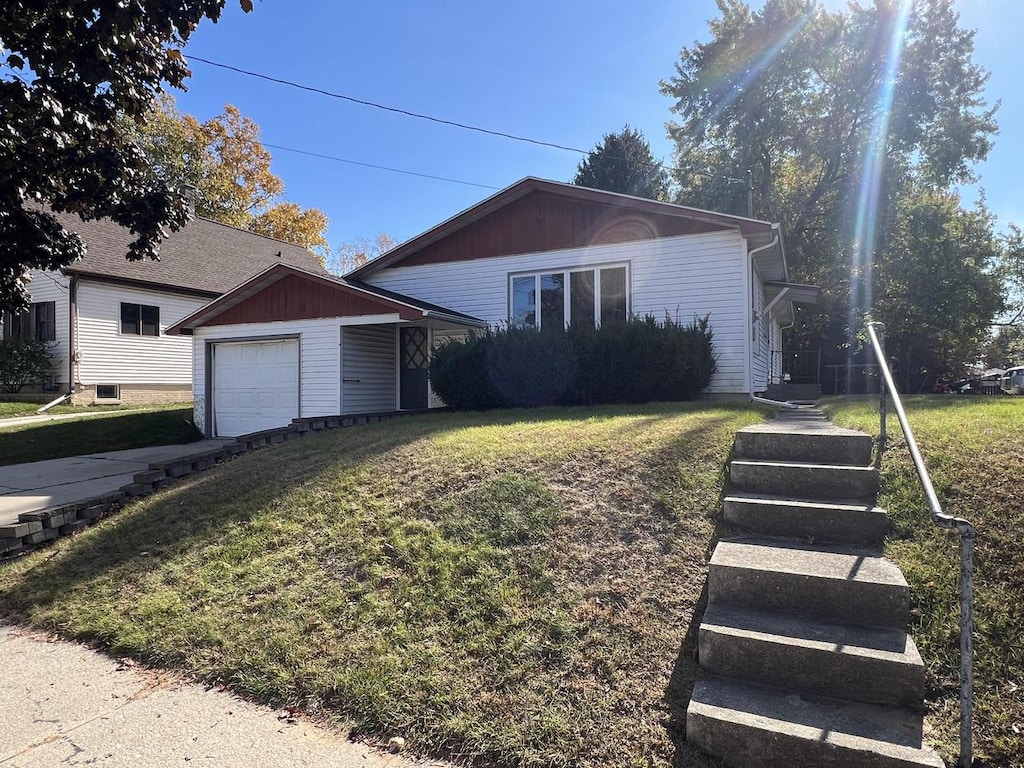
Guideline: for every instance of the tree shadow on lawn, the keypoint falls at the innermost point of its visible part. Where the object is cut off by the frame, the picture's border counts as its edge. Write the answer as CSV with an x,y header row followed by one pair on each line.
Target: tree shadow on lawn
x,y
193,515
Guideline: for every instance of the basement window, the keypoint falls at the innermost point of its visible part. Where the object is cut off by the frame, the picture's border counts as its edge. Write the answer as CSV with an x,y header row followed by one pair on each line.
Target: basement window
x,y
108,392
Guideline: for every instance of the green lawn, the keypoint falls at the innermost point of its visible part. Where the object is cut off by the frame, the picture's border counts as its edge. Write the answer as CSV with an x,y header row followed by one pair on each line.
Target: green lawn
x,y
114,431
10,408
975,453
514,588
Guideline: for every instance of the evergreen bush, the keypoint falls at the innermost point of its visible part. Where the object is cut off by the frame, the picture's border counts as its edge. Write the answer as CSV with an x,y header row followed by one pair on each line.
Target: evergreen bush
x,y
639,361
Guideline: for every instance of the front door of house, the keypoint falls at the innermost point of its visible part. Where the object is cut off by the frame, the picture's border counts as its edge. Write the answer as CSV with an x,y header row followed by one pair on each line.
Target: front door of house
x,y
413,368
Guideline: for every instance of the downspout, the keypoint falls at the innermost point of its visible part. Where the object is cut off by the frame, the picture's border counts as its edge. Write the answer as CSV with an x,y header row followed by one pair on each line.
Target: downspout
x,y
753,320
73,336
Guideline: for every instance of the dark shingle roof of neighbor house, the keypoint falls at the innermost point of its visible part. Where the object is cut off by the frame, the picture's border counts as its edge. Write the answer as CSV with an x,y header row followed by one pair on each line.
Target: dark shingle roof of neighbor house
x,y
203,257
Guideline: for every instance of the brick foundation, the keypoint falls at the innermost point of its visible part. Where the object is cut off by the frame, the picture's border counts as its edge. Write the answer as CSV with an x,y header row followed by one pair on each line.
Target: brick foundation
x,y
137,394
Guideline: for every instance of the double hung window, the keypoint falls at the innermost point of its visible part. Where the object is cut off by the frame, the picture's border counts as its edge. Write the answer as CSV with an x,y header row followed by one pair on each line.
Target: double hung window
x,y
38,322
556,298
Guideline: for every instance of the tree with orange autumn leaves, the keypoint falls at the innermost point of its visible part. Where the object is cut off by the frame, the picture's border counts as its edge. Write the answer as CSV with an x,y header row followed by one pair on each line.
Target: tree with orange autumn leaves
x,y
228,167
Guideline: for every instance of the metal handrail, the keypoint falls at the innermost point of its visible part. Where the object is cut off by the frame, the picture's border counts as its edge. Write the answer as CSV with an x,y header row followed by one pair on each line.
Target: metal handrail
x,y
943,520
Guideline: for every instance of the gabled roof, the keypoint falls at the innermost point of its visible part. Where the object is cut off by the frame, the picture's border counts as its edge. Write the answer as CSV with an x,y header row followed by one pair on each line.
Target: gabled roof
x,y
687,220
319,295
204,257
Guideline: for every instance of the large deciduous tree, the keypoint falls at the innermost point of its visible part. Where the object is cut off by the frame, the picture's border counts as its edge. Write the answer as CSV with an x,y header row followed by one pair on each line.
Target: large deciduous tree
x,y
71,74
228,169
844,119
355,253
623,162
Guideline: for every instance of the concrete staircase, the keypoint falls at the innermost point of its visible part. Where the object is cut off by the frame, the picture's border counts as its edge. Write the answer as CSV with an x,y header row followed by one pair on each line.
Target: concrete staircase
x,y
804,650
794,391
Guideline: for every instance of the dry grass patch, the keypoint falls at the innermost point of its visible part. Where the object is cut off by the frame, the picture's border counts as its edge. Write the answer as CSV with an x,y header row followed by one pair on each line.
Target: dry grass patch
x,y
975,455
511,588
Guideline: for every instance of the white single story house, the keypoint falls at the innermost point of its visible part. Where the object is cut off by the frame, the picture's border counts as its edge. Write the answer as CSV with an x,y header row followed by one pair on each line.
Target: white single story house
x,y
290,343
107,317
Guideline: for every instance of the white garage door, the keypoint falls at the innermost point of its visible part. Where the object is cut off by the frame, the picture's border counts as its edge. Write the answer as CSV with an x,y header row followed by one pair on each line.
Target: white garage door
x,y
255,386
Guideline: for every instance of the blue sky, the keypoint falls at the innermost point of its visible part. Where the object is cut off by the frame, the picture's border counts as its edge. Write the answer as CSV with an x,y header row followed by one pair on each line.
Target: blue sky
x,y
564,72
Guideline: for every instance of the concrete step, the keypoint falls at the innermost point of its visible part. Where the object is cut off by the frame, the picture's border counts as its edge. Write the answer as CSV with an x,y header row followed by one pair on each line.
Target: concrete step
x,y
803,439
804,480
829,582
853,523
755,727
826,658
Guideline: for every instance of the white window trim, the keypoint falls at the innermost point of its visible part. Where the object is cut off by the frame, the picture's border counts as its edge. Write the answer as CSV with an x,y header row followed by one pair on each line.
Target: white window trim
x,y
565,272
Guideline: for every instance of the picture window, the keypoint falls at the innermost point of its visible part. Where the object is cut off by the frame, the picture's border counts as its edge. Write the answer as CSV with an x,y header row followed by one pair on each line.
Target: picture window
x,y
592,296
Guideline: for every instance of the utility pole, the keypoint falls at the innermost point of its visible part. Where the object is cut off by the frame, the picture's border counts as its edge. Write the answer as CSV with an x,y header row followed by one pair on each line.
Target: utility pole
x,y
750,193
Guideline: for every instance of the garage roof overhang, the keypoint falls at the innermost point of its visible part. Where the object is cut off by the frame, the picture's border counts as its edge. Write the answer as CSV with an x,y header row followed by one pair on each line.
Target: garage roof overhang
x,y
284,292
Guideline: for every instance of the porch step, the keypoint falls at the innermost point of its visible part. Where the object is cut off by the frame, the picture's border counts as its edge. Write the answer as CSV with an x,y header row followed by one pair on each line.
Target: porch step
x,y
814,656
803,437
854,522
753,727
793,391
842,584
804,480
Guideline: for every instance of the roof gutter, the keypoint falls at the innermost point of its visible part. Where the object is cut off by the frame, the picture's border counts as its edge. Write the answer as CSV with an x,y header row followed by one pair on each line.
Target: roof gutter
x,y
754,318
472,322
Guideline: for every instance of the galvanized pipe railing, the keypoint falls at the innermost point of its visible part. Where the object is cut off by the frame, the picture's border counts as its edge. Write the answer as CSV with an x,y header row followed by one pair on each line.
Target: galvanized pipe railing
x,y
876,331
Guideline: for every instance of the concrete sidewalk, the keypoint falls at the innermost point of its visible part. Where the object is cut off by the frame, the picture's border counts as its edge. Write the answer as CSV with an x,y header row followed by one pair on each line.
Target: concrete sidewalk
x,y
64,704
39,418
43,484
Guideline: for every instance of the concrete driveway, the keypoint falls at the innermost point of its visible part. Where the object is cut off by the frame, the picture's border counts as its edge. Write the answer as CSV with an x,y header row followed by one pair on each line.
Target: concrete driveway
x,y
41,484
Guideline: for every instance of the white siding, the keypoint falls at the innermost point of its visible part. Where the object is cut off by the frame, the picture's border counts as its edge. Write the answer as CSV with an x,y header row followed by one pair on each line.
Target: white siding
x,y
686,276
319,361
106,356
369,370
53,286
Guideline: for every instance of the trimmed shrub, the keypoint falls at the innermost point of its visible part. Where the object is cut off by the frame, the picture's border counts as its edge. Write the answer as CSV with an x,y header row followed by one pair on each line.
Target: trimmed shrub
x,y
24,361
639,361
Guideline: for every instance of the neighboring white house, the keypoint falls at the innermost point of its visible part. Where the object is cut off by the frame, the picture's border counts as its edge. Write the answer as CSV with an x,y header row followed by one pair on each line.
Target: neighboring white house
x,y
290,344
107,317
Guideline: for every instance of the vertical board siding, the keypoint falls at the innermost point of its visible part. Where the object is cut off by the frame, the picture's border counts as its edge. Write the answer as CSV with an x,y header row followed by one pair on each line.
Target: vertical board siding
x,y
55,287
368,369
106,356
775,344
761,341
319,360
683,277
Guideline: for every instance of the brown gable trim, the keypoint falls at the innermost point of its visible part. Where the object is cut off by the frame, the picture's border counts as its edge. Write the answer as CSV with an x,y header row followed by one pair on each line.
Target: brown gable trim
x,y
300,297
674,219
306,296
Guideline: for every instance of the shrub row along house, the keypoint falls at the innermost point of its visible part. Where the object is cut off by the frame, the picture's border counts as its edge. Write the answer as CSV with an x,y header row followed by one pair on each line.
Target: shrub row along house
x,y
291,342
258,334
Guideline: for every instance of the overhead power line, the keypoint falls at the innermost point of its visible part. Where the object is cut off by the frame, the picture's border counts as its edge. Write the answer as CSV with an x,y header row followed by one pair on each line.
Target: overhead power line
x,y
433,119
379,167
386,108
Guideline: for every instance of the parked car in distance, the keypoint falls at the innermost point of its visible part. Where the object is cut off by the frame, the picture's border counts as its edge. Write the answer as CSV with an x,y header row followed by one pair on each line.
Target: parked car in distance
x,y
1012,382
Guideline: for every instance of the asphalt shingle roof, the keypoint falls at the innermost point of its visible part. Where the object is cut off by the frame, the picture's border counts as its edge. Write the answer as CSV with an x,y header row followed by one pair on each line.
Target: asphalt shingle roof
x,y
204,256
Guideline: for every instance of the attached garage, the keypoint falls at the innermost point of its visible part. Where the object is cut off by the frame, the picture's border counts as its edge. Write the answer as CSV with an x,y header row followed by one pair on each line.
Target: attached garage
x,y
255,385
292,344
